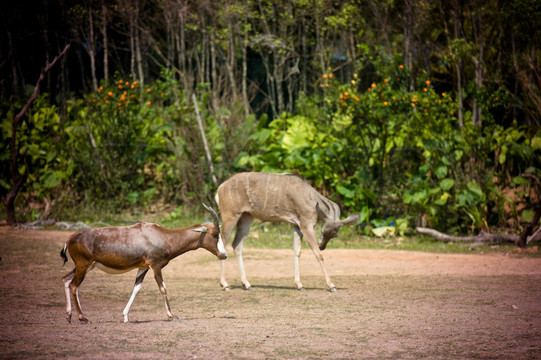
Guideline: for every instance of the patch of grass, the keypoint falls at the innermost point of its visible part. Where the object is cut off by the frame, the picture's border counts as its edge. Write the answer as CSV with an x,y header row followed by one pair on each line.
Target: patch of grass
x,y
280,236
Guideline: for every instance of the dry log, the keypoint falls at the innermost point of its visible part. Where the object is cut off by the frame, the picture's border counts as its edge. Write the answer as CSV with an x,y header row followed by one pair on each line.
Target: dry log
x,y
482,237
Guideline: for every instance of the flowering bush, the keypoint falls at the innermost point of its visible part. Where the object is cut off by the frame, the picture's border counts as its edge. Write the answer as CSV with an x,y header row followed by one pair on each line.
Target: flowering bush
x,y
389,152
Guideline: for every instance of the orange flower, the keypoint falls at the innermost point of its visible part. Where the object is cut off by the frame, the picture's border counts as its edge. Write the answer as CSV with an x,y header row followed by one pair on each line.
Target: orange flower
x,y
346,94
413,104
148,90
100,88
443,94
427,83
119,87
148,102
356,98
127,83
324,76
385,80
110,93
330,76
401,66
385,103
425,89
373,85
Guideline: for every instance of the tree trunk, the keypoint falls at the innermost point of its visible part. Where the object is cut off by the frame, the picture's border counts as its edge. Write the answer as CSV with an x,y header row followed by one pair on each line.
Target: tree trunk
x,y
138,44
458,68
204,139
105,23
213,71
91,49
244,85
477,27
408,23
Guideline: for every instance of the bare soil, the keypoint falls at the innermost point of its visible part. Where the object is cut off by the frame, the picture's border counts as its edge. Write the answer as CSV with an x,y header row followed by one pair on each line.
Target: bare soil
x,y
389,305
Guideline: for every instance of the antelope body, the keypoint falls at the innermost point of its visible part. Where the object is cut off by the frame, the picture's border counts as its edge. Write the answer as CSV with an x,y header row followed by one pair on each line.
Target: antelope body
x,y
277,198
142,246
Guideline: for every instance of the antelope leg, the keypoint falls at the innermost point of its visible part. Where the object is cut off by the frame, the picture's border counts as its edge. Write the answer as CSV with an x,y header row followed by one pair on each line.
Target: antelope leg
x,y
136,287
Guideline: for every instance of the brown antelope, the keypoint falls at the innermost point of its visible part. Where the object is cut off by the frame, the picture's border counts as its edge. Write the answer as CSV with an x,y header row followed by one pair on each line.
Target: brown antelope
x,y
142,246
277,198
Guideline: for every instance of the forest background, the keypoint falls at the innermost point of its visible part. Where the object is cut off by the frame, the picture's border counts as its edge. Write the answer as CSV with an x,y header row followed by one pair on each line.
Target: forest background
x,y
407,112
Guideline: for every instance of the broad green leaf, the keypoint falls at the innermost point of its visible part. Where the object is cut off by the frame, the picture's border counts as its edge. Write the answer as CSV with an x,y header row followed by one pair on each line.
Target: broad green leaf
x,y
442,199
133,197
365,214
475,188
344,191
527,215
447,184
441,171
536,143
384,231
52,180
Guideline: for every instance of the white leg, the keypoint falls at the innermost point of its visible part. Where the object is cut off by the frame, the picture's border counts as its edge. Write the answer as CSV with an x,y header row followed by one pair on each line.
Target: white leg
x,y
308,232
67,281
229,222
223,283
243,227
243,280
138,283
297,239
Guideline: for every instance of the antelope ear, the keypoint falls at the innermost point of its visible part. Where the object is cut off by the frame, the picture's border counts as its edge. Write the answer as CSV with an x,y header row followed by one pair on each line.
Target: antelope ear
x,y
350,220
201,229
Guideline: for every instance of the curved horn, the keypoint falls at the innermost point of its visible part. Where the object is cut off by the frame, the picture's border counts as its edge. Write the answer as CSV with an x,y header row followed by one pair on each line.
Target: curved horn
x,y
215,217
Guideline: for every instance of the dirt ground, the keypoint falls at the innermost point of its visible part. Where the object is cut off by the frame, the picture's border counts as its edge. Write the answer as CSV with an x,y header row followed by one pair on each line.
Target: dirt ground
x,y
389,305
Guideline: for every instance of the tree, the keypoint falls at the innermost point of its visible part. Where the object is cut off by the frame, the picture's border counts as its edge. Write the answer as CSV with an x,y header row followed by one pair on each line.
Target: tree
x,y
18,179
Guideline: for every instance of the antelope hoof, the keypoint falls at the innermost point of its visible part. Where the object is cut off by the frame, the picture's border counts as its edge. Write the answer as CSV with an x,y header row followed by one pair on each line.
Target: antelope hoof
x,y
84,321
301,288
247,286
333,289
68,318
174,318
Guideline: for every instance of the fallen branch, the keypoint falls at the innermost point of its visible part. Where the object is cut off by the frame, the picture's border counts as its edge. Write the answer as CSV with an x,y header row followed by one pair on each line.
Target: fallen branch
x,y
482,237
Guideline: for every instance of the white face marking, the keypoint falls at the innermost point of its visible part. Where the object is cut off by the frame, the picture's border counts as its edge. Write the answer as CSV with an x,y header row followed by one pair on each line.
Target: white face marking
x,y
221,247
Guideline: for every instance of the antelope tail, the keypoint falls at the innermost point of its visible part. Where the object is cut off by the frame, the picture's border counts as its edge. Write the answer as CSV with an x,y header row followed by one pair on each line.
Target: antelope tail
x,y
63,254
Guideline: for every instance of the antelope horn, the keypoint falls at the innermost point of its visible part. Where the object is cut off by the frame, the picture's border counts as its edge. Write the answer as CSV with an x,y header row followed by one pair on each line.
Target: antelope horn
x,y
215,217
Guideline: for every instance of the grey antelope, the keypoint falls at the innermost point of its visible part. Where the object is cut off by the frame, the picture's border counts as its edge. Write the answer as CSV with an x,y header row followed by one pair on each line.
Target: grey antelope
x,y
277,198
142,246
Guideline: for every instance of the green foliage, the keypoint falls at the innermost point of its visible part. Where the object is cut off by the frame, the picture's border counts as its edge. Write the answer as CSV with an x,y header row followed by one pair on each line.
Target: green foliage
x,y
115,136
386,151
40,138
395,156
